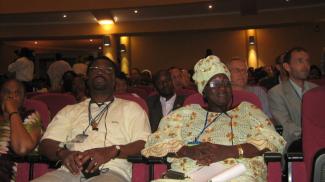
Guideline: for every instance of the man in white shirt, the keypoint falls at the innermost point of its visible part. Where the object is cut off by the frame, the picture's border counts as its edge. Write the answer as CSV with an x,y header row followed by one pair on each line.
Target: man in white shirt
x,y
285,98
56,71
102,130
23,67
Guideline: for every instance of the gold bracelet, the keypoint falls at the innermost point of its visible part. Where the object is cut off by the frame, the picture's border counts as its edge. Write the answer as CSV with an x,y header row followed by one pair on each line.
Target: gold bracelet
x,y
240,151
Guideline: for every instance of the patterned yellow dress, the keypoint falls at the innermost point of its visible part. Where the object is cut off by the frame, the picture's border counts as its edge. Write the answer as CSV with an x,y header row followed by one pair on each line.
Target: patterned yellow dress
x,y
8,169
249,125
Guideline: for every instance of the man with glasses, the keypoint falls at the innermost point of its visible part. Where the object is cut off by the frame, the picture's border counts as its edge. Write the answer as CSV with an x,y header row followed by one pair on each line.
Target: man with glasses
x,y
93,138
239,76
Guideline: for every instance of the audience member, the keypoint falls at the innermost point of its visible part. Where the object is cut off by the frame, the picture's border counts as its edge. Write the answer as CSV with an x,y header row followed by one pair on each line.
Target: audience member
x,y
166,101
24,68
135,77
285,98
280,75
103,130
20,129
314,73
187,81
176,78
121,83
201,136
146,77
79,88
56,71
239,77
80,67
67,80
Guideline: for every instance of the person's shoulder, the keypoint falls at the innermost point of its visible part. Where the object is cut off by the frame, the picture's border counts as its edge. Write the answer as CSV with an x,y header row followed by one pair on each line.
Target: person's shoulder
x,y
277,89
311,84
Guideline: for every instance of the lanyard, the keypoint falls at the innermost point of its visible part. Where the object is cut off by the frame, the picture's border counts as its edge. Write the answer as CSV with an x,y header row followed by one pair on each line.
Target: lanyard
x,y
205,127
99,115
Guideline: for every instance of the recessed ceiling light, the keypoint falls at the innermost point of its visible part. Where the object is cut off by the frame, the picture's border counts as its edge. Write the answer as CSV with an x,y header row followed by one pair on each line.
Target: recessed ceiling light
x,y
105,22
287,1
210,6
90,40
100,48
64,15
35,42
136,11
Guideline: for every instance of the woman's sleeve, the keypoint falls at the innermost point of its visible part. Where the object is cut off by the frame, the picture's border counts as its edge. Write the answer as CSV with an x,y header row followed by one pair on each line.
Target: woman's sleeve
x,y
264,136
167,139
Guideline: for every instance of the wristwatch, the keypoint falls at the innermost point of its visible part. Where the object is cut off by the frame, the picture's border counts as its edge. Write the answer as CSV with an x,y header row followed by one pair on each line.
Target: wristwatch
x,y
118,148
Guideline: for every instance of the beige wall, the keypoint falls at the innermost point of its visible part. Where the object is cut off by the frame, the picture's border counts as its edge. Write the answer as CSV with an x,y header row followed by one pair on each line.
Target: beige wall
x,y
157,51
183,50
273,41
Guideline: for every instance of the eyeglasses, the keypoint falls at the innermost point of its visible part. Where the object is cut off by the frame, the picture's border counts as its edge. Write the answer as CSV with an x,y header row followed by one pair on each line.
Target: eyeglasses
x,y
107,70
219,83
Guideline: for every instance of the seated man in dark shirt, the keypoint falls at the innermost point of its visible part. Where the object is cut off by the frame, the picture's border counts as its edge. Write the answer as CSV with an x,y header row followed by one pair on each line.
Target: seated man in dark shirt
x,y
165,101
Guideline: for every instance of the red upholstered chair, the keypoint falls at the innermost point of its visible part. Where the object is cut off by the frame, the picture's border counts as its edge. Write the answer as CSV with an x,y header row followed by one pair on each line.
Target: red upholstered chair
x,y
320,82
313,135
131,97
55,101
185,92
139,91
24,173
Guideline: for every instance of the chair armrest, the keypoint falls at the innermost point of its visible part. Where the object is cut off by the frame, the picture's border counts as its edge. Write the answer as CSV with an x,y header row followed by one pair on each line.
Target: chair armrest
x,y
137,159
272,157
294,157
149,160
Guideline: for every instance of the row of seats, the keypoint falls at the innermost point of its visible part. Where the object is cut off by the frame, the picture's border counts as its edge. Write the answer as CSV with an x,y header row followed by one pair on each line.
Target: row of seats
x,y
146,169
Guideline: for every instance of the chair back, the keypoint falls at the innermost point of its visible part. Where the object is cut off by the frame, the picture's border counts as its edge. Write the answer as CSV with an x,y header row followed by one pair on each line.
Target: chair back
x,y
238,96
139,91
313,125
41,108
135,99
320,82
24,168
55,101
185,92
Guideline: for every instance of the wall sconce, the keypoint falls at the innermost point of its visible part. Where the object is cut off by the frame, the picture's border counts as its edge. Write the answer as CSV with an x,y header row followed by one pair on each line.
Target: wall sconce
x,y
122,48
106,41
251,40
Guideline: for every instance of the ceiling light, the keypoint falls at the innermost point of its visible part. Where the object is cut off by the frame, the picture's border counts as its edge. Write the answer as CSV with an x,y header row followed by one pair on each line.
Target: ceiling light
x,y
64,16
35,42
210,6
100,48
105,22
106,41
90,40
136,11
